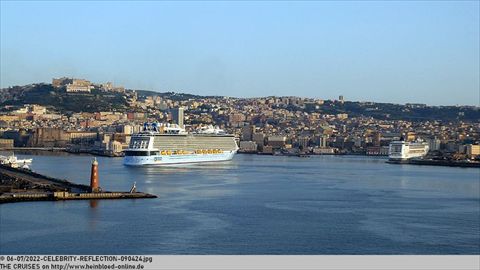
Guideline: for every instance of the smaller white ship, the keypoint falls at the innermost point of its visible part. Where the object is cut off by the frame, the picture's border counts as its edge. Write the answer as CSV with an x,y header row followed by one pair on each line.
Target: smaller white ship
x,y
403,151
14,162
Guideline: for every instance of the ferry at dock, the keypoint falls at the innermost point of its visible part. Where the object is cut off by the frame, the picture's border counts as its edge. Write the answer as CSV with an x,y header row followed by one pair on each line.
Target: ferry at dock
x,y
159,144
400,151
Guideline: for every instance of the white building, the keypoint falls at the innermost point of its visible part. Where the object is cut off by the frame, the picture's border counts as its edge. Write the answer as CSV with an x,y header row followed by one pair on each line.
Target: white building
x,y
71,88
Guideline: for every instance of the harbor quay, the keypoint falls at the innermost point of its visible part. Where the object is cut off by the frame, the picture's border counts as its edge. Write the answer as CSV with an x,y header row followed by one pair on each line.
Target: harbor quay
x,y
64,195
19,185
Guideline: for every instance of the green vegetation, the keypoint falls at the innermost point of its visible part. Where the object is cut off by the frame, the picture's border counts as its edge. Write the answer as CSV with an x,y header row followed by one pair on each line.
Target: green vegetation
x,y
47,95
57,98
389,111
172,95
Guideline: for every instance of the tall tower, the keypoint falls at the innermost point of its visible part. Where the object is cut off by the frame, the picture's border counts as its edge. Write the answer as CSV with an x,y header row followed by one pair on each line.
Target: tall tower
x,y
177,116
94,177
247,132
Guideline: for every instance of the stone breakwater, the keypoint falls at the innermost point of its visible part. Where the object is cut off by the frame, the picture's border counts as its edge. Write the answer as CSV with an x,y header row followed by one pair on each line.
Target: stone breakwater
x,y
17,185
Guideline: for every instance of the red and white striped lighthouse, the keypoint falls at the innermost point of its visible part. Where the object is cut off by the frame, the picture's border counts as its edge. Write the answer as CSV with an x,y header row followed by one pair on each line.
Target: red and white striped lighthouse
x,y
94,187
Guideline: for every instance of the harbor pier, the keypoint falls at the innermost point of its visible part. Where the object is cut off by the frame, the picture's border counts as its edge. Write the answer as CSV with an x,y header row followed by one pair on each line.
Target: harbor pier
x,y
19,185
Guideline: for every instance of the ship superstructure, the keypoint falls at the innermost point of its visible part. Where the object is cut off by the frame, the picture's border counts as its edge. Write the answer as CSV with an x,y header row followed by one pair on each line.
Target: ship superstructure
x,y
402,150
161,144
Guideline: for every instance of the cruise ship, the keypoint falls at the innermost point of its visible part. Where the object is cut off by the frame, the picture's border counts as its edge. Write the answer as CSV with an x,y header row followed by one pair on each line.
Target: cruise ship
x,y
403,151
159,144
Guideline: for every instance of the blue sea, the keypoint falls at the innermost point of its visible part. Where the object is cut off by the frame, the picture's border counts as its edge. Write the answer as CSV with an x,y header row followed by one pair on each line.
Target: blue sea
x,y
253,205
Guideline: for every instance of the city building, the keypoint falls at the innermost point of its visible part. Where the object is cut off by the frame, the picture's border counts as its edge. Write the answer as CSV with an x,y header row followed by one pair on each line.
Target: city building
x,y
473,150
79,86
247,147
6,143
247,132
276,142
49,137
434,144
236,118
178,116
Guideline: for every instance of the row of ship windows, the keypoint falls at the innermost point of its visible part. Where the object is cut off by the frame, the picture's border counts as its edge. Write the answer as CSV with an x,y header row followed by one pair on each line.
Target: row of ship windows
x,y
417,151
139,144
175,144
193,140
182,152
168,152
159,144
193,147
141,153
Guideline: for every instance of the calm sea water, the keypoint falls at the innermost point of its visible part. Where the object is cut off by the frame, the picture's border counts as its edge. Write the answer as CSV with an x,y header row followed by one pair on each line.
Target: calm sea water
x,y
254,205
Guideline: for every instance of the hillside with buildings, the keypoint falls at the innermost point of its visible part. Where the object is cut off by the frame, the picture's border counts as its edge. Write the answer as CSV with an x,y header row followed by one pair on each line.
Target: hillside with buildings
x,y
68,95
81,116
78,96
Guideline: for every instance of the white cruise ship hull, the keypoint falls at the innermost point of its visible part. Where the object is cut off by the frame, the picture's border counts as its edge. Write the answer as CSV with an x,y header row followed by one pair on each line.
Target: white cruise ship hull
x,y
401,151
177,159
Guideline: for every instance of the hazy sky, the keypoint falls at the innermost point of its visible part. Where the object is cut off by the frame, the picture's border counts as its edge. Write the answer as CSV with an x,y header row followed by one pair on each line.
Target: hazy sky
x,y
399,52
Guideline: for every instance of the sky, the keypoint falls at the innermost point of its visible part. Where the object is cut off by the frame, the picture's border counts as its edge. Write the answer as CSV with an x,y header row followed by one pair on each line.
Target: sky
x,y
382,51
